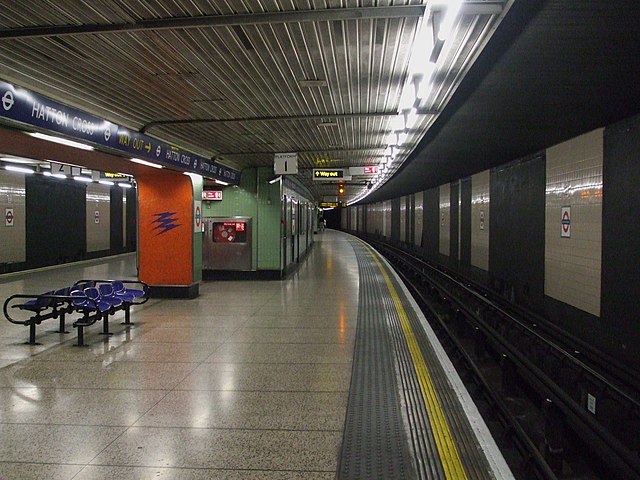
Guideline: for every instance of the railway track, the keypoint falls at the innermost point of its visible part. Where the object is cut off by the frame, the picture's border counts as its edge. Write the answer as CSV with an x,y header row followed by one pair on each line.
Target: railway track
x,y
554,406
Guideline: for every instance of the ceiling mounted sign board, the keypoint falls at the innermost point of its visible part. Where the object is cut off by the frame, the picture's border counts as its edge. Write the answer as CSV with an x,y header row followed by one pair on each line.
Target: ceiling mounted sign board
x,y
285,163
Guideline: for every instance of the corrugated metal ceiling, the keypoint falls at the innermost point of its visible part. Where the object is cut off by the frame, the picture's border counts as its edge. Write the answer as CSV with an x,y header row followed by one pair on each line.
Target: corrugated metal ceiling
x,y
223,78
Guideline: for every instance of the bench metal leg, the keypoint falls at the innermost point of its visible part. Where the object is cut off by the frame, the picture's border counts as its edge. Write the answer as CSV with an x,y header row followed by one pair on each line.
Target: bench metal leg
x,y
105,324
80,336
32,334
63,327
127,315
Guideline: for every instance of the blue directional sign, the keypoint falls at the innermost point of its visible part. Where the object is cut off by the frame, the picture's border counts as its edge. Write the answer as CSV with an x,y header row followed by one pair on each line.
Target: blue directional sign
x,y
23,106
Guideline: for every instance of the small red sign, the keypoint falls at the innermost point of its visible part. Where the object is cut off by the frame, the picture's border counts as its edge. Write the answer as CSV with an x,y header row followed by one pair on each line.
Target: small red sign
x,y
370,170
212,194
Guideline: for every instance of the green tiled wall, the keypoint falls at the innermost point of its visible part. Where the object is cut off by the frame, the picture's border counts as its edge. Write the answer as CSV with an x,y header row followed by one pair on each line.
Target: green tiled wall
x,y
258,199
269,240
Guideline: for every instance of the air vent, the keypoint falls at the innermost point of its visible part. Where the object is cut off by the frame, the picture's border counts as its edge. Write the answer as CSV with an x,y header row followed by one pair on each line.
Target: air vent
x,y
312,83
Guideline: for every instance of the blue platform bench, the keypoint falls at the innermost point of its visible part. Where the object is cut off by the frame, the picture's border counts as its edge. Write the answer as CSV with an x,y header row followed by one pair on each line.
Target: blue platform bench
x,y
94,299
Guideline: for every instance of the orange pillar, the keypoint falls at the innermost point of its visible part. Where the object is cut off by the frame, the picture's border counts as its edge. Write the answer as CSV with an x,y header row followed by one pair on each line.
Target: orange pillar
x,y
165,233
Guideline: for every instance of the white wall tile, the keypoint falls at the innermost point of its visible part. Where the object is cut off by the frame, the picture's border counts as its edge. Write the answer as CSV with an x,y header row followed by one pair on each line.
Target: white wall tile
x,y
574,179
13,238
480,203
418,219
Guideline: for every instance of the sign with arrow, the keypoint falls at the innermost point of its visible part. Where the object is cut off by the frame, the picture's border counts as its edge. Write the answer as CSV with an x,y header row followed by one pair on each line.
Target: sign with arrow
x,y
328,174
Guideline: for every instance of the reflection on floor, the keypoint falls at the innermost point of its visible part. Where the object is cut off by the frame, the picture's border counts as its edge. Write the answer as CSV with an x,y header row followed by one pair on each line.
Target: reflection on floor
x,y
248,381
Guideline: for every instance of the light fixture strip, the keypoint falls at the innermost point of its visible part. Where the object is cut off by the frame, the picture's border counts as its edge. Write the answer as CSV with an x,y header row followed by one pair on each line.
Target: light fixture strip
x,y
61,141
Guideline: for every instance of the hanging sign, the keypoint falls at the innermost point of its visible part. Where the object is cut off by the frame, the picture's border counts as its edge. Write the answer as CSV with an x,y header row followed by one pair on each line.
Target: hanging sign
x,y
285,163
26,107
328,174
212,194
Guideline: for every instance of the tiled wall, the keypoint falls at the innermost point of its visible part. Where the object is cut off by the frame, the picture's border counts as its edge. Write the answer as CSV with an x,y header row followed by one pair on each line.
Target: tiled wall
x,y
419,218
268,227
387,218
445,218
480,188
98,208
403,219
240,201
12,238
574,181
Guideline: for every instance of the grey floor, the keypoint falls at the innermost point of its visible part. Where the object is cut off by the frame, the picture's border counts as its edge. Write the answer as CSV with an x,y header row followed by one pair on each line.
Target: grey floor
x,y
248,381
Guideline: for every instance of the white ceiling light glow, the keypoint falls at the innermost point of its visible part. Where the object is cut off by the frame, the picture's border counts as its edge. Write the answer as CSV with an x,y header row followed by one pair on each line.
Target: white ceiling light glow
x,y
440,57
61,141
144,162
18,169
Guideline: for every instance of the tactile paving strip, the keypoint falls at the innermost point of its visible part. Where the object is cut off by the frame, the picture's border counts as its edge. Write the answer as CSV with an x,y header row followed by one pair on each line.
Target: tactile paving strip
x,y
374,444
387,432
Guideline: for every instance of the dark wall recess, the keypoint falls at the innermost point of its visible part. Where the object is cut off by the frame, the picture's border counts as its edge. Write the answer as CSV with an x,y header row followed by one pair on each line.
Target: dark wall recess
x,y
409,227
454,243
465,224
517,223
56,221
116,232
431,223
621,240
395,221
132,220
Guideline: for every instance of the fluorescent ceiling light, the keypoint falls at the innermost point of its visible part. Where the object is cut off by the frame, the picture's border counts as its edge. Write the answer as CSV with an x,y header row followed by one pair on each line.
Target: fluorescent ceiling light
x,y
54,175
144,162
124,185
446,26
18,169
62,141
24,161
78,178
408,97
275,179
106,182
398,122
221,182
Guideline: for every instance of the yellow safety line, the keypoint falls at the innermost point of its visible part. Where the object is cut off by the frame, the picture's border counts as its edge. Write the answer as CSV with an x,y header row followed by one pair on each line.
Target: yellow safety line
x,y
451,463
